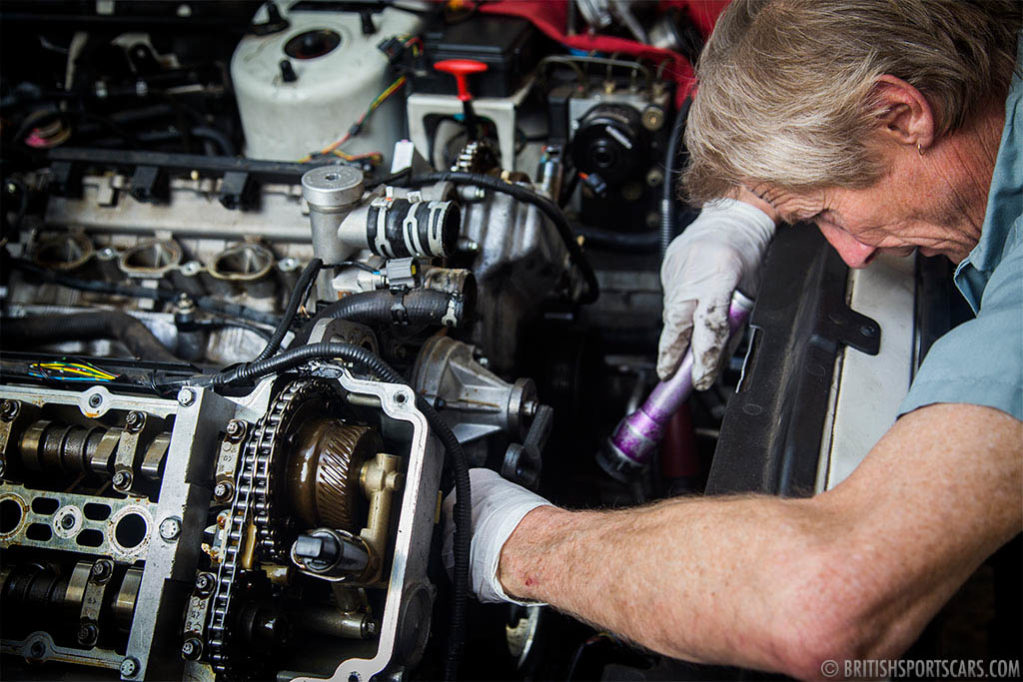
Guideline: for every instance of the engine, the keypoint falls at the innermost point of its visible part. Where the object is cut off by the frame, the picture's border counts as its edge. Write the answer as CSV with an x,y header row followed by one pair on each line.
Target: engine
x,y
270,287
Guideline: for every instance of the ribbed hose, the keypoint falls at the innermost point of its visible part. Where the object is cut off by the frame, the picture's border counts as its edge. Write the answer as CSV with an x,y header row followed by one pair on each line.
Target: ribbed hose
x,y
456,459
669,201
103,324
546,206
298,294
422,306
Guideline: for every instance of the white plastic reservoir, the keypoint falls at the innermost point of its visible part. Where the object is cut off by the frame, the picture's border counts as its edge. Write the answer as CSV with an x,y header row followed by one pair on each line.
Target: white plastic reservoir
x,y
339,73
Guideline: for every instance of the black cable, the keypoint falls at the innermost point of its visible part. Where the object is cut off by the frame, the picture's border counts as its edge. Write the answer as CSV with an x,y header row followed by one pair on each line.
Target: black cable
x,y
549,209
456,459
206,303
298,294
387,179
668,198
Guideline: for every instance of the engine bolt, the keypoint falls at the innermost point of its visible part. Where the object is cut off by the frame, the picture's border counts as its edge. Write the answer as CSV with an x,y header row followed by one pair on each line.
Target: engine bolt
x,y
204,583
186,397
88,633
191,648
223,490
9,410
135,421
122,480
235,430
170,528
95,400
129,667
67,522
101,571
37,650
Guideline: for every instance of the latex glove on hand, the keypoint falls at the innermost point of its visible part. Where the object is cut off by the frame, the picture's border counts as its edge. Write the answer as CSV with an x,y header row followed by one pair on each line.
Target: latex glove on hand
x,y
718,253
498,506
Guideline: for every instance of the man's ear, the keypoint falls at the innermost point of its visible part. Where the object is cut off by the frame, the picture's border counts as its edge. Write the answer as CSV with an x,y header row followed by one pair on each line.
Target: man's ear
x,y
905,114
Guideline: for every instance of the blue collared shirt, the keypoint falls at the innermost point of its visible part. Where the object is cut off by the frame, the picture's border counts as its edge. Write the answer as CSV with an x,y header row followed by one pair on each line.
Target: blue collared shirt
x,y
981,361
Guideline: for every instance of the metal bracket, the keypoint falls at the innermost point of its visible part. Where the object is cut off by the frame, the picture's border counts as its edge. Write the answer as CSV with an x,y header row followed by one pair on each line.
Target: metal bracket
x,y
522,463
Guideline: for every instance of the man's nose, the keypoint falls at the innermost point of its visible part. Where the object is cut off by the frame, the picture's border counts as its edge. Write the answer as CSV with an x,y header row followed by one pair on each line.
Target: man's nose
x,y
855,253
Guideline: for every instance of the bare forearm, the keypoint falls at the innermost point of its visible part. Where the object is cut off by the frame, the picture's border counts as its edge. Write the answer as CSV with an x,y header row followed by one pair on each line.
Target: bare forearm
x,y
695,578
784,584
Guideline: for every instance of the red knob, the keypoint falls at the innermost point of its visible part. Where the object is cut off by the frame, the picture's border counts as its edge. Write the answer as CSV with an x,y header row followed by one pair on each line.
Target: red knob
x,y
460,69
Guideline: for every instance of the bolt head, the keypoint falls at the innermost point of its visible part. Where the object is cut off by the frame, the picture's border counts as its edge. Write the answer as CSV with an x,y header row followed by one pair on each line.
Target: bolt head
x,y
235,430
204,582
170,528
186,397
129,667
95,400
9,410
222,490
37,650
88,633
191,648
101,571
67,521
135,421
122,479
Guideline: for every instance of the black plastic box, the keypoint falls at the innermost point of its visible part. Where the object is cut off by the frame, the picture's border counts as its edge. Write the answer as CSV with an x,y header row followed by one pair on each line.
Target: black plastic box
x,y
509,46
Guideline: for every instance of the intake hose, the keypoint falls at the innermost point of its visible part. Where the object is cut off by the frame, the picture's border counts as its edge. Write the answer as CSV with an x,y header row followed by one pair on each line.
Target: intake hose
x,y
103,324
671,168
456,460
418,307
546,206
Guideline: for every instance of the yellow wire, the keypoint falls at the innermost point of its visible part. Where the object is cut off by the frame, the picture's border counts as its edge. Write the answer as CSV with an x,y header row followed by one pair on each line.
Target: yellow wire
x,y
372,107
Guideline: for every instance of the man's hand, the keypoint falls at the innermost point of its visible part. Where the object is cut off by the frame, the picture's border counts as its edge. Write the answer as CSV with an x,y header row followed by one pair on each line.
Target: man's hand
x,y
718,253
497,508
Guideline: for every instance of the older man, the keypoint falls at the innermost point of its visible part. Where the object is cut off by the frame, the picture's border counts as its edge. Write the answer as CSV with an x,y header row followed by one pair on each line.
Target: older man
x,y
892,125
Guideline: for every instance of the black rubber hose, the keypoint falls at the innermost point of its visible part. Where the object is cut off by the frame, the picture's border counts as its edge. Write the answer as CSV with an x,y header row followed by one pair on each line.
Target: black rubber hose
x,y
669,201
545,205
207,303
640,242
456,459
215,136
298,294
100,324
422,307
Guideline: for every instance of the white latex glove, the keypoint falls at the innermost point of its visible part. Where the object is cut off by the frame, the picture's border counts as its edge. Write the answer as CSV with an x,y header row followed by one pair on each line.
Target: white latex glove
x,y
719,252
497,508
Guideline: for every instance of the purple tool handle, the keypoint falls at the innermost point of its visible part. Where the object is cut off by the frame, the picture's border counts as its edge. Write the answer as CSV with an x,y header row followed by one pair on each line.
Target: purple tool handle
x,y
641,431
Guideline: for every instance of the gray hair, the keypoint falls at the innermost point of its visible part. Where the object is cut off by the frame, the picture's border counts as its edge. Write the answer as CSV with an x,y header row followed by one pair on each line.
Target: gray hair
x,y
787,95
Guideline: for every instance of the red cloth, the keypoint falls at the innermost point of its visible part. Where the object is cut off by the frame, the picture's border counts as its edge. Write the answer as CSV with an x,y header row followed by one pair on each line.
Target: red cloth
x,y
550,17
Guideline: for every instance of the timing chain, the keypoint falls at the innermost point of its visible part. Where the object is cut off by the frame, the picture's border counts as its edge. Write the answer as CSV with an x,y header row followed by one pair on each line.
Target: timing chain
x,y
252,489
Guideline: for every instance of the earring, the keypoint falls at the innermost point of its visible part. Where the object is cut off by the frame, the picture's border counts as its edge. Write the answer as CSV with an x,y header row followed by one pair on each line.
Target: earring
x,y
919,149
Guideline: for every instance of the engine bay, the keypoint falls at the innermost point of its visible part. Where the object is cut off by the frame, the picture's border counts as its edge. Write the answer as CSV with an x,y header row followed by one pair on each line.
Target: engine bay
x,y
274,276
203,205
